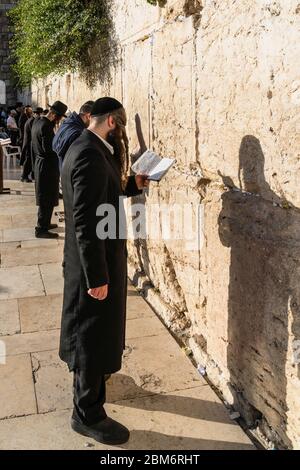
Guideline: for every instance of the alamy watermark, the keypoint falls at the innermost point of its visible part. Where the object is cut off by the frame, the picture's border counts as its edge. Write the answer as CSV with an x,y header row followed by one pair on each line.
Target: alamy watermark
x,y
167,222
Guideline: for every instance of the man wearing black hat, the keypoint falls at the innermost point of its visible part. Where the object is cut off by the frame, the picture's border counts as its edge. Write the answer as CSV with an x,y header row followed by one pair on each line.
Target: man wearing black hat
x,y
92,340
27,155
46,169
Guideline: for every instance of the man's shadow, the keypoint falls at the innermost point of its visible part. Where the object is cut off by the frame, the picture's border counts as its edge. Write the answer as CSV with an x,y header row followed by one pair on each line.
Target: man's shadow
x,y
152,440
263,291
123,390
140,242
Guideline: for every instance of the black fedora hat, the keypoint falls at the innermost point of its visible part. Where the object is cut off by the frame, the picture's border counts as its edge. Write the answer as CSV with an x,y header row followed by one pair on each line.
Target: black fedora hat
x,y
59,108
38,110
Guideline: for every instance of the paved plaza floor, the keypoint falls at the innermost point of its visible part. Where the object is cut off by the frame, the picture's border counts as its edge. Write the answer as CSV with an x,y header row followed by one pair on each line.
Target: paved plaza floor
x,y
158,393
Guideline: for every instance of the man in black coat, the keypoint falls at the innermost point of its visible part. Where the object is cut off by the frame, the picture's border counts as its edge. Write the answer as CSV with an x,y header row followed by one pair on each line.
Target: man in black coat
x,y
46,169
95,268
26,157
71,129
26,114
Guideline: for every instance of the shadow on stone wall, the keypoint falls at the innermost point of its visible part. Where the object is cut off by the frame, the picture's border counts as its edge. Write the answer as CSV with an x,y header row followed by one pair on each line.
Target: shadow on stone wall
x,y
264,290
140,244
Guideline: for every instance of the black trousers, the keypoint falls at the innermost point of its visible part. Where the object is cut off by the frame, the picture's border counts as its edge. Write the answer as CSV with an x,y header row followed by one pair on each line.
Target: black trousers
x,y
27,167
89,397
44,218
14,136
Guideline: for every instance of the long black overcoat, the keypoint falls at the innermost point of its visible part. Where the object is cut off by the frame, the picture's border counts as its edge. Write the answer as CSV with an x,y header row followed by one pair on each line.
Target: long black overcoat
x,y
46,170
26,149
92,331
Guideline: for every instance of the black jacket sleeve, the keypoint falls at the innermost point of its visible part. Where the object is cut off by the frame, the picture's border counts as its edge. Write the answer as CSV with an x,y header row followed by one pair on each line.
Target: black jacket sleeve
x,y
131,188
90,190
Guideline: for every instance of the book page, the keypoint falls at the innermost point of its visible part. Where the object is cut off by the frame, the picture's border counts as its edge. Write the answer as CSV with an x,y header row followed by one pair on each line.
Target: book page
x,y
161,169
146,163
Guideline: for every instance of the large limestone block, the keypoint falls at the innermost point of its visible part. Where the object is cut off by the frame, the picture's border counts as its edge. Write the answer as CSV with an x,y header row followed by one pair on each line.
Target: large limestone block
x,y
5,221
24,343
173,97
21,220
31,256
135,18
18,234
137,308
16,388
144,327
159,371
9,317
40,313
137,76
20,281
52,277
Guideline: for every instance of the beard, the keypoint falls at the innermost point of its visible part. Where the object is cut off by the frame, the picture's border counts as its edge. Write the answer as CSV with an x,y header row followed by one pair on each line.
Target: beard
x,y
111,138
115,142
117,138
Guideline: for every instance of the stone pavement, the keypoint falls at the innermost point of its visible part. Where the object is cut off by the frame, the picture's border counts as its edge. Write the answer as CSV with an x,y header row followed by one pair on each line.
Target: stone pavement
x,y
158,394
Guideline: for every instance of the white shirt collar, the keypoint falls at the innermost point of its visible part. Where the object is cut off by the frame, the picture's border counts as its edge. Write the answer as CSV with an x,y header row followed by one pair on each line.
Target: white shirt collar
x,y
107,144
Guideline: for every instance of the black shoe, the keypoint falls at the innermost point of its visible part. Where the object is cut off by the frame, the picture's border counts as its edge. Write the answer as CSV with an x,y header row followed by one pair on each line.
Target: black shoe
x,y
26,180
45,234
52,226
107,431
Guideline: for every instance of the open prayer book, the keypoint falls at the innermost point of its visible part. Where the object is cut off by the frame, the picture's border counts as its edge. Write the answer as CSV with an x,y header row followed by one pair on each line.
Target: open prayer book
x,y
152,165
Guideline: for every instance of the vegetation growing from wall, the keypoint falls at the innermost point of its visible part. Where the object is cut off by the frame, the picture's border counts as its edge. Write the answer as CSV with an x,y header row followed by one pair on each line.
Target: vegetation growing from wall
x,y
59,36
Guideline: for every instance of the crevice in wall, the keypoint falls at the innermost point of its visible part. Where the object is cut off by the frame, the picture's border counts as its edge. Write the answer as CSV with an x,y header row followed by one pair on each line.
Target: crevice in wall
x,y
193,8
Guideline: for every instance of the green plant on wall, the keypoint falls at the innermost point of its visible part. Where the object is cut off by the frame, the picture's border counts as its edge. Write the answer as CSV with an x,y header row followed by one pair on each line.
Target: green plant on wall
x,y
58,36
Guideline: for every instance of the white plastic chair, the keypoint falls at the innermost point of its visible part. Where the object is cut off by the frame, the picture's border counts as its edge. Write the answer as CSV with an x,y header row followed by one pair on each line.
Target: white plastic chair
x,y
12,154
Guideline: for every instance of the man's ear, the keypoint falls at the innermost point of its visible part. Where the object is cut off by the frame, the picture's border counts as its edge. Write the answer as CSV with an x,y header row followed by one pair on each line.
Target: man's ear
x,y
111,122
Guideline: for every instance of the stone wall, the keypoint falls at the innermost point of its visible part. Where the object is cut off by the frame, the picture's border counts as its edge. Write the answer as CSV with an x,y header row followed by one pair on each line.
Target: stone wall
x,y
5,59
216,84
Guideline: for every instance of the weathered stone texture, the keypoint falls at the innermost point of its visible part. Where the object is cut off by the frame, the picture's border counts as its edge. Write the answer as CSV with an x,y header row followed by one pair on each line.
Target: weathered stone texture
x,y
216,84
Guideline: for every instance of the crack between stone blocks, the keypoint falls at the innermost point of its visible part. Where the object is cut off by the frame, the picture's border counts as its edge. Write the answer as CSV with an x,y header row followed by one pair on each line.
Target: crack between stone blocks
x,y
32,352
34,382
147,33
146,336
39,331
19,316
41,276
